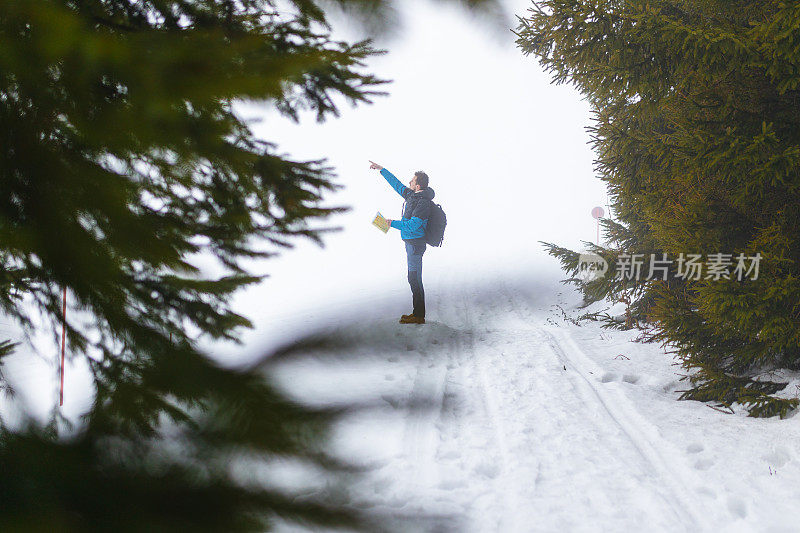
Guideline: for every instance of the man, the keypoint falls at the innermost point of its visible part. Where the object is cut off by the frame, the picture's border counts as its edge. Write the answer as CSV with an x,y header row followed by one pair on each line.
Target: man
x,y
416,210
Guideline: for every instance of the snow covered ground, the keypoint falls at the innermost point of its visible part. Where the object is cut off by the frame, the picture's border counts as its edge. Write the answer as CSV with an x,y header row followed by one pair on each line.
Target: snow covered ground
x,y
498,415
501,415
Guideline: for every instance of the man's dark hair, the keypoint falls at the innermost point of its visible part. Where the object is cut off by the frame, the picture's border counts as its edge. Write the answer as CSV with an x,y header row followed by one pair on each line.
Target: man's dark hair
x,y
422,178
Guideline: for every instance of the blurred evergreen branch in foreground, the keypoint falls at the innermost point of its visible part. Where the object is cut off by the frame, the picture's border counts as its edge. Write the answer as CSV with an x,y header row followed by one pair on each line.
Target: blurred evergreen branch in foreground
x,y
122,164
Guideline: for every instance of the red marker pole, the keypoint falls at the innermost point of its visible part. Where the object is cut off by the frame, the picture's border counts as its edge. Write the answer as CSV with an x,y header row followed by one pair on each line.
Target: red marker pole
x,y
63,344
597,214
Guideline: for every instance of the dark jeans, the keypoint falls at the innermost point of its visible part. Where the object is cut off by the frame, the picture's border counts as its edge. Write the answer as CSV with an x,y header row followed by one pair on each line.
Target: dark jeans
x,y
414,254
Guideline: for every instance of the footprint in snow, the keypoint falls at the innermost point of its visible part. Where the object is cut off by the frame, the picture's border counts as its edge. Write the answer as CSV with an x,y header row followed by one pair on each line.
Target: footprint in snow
x,y
704,464
695,447
671,386
778,457
487,469
608,377
633,379
737,507
707,491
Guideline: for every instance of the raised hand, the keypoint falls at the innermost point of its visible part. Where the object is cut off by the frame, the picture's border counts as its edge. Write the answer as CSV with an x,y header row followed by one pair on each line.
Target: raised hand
x,y
374,166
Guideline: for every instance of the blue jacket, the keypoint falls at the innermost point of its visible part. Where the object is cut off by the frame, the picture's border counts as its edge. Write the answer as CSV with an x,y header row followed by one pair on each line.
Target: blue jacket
x,y
416,210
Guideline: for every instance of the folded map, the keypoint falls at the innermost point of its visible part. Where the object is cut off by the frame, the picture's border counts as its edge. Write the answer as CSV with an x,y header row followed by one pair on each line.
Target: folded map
x,y
381,223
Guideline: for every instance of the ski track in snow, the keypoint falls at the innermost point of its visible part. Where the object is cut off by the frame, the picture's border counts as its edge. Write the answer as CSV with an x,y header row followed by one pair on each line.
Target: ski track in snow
x,y
621,413
506,424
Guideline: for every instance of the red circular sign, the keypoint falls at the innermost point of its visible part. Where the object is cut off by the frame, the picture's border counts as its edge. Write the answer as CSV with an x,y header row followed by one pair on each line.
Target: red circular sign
x,y
598,212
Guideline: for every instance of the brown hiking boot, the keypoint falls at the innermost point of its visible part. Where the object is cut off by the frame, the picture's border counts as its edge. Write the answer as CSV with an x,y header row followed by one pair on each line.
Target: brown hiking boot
x,y
412,319
406,317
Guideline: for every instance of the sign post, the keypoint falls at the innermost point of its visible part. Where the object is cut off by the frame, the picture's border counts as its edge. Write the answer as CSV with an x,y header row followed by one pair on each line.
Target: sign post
x,y
597,214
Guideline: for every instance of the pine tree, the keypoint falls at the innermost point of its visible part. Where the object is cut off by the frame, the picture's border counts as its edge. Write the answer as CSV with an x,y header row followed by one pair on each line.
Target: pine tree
x,y
697,139
121,162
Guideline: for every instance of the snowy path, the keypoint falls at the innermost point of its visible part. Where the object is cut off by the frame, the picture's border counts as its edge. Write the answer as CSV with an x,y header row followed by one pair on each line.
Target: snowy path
x,y
501,417
569,443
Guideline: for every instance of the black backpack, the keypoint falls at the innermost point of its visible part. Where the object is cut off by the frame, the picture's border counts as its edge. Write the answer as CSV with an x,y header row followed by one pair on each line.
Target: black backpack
x,y
434,230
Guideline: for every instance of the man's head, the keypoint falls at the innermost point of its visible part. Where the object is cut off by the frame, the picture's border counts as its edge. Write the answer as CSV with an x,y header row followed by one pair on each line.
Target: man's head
x,y
419,181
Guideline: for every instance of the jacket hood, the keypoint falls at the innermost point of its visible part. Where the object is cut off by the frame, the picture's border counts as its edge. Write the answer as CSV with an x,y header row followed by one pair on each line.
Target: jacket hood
x,y
427,193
